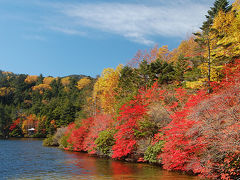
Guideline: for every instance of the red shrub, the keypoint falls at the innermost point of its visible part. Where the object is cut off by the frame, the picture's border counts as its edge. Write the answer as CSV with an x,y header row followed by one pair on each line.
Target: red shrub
x,y
125,138
182,146
99,123
82,137
78,134
205,134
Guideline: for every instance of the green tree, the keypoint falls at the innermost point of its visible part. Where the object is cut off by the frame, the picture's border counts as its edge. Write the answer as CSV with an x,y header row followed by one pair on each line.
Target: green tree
x,y
40,79
180,68
128,81
161,71
68,114
5,121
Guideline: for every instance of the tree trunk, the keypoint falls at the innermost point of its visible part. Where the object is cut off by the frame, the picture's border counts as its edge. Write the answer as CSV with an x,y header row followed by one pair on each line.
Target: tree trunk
x,y
209,66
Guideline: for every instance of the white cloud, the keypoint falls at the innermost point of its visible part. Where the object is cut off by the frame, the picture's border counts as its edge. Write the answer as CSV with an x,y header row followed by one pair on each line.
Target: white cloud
x,y
34,37
67,31
138,22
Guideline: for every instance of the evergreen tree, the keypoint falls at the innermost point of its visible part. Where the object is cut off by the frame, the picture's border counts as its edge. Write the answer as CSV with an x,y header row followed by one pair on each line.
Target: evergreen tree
x,y
143,74
4,121
128,81
217,6
40,79
180,68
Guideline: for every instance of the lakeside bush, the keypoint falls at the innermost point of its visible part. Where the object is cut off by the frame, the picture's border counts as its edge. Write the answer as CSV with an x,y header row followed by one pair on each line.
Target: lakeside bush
x,y
152,153
48,141
56,139
105,141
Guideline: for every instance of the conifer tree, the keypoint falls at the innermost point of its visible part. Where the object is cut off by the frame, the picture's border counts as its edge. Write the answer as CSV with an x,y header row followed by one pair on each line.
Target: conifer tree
x,y
217,6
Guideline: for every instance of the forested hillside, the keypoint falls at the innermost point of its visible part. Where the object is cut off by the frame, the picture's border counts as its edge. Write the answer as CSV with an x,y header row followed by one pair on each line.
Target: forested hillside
x,y
42,103
179,109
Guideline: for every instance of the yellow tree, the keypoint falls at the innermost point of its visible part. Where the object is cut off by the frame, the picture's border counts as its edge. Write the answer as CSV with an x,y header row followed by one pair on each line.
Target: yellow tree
x,y
205,38
207,43
227,28
65,81
211,68
30,79
48,80
41,88
104,89
83,83
187,48
164,53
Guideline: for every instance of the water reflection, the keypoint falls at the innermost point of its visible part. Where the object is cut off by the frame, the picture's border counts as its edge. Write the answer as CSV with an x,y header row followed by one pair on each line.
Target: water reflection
x,y
28,159
99,168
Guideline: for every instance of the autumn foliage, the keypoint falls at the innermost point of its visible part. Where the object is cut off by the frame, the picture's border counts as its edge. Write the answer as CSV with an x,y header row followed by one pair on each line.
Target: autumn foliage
x,y
81,136
205,133
126,140
179,109
31,79
193,132
21,126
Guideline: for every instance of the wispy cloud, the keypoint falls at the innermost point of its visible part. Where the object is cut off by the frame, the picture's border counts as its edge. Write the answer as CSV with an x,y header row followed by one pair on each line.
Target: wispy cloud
x,y
67,31
138,22
34,37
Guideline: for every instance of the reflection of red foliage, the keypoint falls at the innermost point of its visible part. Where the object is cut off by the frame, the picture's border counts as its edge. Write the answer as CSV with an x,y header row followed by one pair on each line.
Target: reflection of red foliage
x,y
120,168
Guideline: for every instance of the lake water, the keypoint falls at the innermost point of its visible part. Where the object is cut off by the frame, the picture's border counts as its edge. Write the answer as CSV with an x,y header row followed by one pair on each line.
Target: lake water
x,y
28,159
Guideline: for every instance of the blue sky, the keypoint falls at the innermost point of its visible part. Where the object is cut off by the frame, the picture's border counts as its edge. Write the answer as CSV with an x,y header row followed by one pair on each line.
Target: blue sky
x,y
63,37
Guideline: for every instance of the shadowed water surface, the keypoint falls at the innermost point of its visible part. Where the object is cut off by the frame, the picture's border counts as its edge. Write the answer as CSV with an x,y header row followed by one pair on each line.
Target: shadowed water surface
x,y
28,159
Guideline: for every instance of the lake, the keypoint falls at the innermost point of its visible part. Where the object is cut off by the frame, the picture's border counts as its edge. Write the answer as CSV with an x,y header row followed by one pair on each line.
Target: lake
x,y
28,159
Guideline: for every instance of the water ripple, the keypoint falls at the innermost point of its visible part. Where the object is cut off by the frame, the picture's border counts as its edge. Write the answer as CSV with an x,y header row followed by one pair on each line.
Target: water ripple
x,y
28,159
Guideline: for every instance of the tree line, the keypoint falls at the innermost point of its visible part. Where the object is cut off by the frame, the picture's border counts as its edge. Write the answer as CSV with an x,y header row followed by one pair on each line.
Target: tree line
x,y
178,109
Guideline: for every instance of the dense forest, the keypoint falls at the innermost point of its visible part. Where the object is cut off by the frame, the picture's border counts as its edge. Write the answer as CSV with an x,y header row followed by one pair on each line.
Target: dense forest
x,y
179,109
40,103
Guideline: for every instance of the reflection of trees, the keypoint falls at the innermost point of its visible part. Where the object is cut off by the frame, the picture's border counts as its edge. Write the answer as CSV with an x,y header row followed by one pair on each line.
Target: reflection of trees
x,y
121,168
81,164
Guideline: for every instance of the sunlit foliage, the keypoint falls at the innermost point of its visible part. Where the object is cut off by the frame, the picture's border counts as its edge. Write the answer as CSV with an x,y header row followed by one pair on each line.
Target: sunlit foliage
x,y
31,79
48,80
104,89
65,81
41,88
83,82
